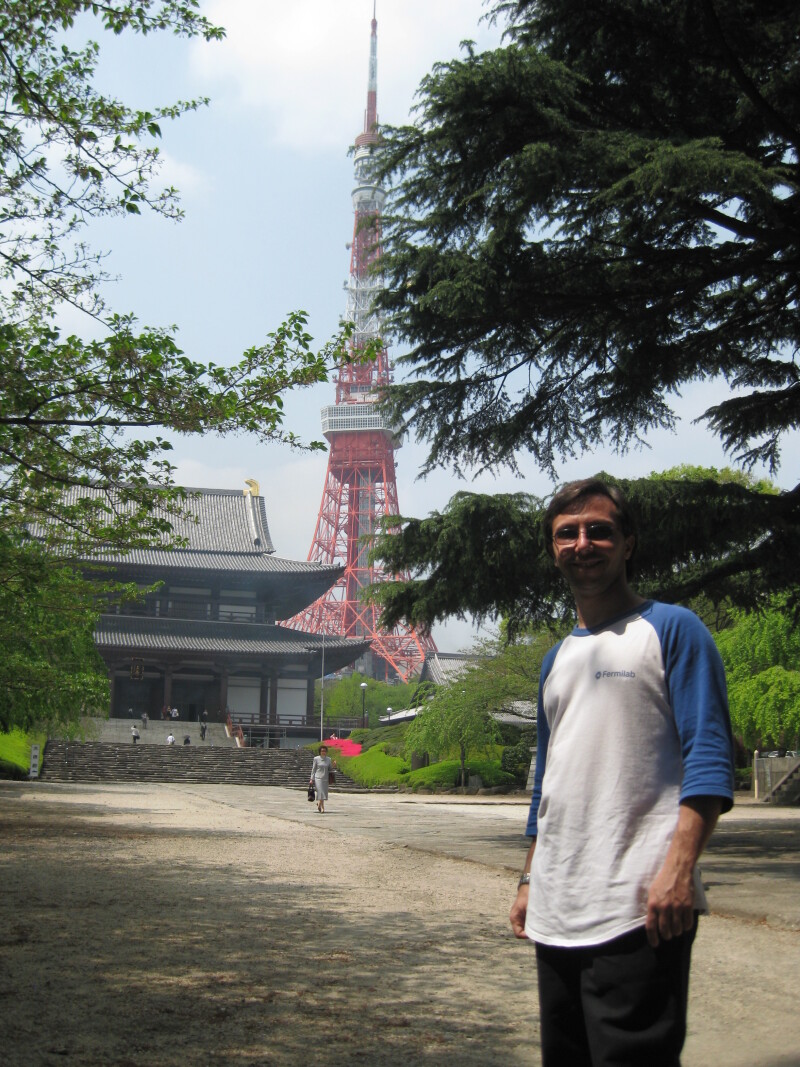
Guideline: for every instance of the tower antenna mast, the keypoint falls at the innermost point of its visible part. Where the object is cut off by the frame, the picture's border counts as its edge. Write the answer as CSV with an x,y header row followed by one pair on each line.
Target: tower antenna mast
x,y
361,481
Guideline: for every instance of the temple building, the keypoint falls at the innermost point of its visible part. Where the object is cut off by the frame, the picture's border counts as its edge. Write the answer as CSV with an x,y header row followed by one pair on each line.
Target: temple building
x,y
207,639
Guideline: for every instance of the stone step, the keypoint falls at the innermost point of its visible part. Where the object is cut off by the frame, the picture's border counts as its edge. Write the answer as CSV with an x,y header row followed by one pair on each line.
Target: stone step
x,y
787,790
94,761
118,731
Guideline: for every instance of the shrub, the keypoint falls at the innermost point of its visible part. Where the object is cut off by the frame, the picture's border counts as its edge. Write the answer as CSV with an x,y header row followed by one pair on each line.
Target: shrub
x,y
446,774
442,775
392,738
375,767
516,761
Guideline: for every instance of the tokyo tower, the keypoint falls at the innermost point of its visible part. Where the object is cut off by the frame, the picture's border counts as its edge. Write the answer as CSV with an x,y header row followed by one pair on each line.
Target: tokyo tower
x,y
360,483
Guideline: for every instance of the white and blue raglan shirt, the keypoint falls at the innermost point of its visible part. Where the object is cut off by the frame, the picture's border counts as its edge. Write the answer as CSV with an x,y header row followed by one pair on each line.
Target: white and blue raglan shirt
x,y
632,719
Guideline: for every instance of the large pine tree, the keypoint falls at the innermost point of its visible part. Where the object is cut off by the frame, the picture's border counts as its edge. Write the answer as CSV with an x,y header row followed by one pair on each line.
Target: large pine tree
x,y
586,220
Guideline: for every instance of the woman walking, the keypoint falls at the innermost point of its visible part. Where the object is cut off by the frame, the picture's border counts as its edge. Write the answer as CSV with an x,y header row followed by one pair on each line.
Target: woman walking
x,y
320,774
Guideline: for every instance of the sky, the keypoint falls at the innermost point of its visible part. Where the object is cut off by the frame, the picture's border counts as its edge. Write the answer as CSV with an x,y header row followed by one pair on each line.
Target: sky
x,y
265,181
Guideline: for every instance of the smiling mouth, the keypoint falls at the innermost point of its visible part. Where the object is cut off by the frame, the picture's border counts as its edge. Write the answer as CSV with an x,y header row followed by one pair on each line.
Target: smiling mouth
x,y
586,567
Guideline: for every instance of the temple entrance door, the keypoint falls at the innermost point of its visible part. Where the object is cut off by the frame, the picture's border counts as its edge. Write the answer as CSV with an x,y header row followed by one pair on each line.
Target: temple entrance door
x,y
191,696
131,698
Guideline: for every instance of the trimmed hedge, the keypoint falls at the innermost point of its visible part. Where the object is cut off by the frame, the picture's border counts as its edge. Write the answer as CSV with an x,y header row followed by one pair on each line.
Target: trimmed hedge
x,y
382,763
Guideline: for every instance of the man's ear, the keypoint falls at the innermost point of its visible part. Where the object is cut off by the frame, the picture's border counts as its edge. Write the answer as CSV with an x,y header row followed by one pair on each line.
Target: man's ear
x,y
630,545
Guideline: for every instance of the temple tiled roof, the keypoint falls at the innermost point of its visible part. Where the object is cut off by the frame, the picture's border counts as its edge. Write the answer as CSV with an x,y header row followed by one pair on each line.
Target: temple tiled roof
x,y
229,521
216,520
441,668
226,531
147,634
251,563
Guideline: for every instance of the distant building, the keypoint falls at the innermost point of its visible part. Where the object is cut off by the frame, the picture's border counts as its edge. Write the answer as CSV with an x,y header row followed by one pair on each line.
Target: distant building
x,y
207,639
444,668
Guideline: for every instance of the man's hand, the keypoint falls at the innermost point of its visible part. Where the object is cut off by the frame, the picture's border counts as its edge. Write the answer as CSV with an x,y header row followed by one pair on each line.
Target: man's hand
x,y
670,901
519,909
670,905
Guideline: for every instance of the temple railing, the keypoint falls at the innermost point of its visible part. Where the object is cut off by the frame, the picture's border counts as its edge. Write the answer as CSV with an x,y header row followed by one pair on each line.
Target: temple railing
x,y
235,731
254,733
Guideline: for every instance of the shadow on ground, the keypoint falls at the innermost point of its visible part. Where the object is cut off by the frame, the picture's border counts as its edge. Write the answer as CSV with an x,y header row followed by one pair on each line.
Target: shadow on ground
x,y
123,947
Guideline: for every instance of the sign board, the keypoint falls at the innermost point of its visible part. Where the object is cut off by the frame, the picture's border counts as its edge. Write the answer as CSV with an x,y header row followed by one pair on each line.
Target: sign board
x,y
34,771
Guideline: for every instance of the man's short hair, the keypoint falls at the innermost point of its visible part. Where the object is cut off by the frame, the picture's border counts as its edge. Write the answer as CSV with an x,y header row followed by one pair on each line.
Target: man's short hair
x,y
569,496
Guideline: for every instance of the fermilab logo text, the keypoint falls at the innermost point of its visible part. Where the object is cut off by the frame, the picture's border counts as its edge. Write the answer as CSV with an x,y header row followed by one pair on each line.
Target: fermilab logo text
x,y
615,674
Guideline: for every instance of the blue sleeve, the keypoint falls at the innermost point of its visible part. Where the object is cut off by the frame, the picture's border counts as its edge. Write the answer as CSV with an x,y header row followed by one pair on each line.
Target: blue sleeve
x,y
542,741
695,679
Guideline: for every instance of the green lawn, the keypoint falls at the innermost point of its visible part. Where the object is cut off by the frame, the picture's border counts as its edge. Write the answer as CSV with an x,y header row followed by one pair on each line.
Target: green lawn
x,y
15,752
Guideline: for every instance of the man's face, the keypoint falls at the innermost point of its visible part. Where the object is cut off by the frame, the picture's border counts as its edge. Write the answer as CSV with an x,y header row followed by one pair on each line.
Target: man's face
x,y
589,547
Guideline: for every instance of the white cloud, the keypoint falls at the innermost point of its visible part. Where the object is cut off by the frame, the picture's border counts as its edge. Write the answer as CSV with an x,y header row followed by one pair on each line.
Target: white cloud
x,y
305,63
186,178
203,473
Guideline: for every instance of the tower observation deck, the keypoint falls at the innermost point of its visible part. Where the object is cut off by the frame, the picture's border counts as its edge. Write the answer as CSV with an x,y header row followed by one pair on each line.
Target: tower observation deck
x,y
361,483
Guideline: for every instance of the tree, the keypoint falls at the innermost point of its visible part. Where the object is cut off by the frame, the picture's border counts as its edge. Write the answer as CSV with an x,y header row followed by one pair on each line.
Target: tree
x,y
505,671
722,535
583,221
68,152
452,722
50,672
71,408
459,717
89,412
761,653
343,698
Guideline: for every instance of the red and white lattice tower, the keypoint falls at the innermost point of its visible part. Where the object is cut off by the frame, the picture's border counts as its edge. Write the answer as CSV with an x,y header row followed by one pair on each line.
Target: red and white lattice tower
x,y
361,484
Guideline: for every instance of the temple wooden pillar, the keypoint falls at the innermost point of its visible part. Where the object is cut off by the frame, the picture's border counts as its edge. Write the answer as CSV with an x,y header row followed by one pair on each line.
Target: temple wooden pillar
x,y
273,698
223,693
263,701
112,675
167,686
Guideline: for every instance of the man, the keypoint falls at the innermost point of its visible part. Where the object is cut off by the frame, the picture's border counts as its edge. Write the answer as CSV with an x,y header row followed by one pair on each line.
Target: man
x,y
634,766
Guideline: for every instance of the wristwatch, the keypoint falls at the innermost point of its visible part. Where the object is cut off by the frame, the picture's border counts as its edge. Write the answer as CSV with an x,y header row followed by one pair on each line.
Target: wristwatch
x,y
524,879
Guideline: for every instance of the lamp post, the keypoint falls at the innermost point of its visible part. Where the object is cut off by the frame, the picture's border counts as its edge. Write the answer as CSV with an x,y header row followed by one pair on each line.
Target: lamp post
x,y
322,692
388,716
363,704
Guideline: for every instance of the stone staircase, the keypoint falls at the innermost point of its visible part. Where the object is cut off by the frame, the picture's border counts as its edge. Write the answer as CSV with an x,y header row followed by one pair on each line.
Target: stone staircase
x,y
118,731
787,790
103,761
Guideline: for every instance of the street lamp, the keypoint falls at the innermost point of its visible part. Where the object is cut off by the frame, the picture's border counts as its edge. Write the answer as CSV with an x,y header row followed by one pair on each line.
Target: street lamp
x,y
322,692
388,716
363,704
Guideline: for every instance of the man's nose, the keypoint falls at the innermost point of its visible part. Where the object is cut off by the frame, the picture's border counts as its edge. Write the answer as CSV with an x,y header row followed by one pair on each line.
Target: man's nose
x,y
583,541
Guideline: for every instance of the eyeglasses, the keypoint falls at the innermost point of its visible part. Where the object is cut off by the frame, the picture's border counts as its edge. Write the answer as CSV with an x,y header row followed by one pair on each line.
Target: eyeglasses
x,y
595,531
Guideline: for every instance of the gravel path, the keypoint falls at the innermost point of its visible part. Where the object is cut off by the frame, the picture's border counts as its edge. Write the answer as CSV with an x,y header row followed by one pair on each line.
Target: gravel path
x,y
165,925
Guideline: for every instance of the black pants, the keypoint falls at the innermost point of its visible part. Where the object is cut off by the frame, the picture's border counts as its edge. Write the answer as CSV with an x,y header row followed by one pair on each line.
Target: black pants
x,y
619,1004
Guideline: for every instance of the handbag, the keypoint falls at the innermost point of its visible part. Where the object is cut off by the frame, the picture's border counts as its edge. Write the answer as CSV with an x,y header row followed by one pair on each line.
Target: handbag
x,y
331,777
310,791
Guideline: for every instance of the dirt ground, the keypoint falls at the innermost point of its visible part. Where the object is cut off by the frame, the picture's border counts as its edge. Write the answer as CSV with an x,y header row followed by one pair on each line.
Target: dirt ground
x,y
155,927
